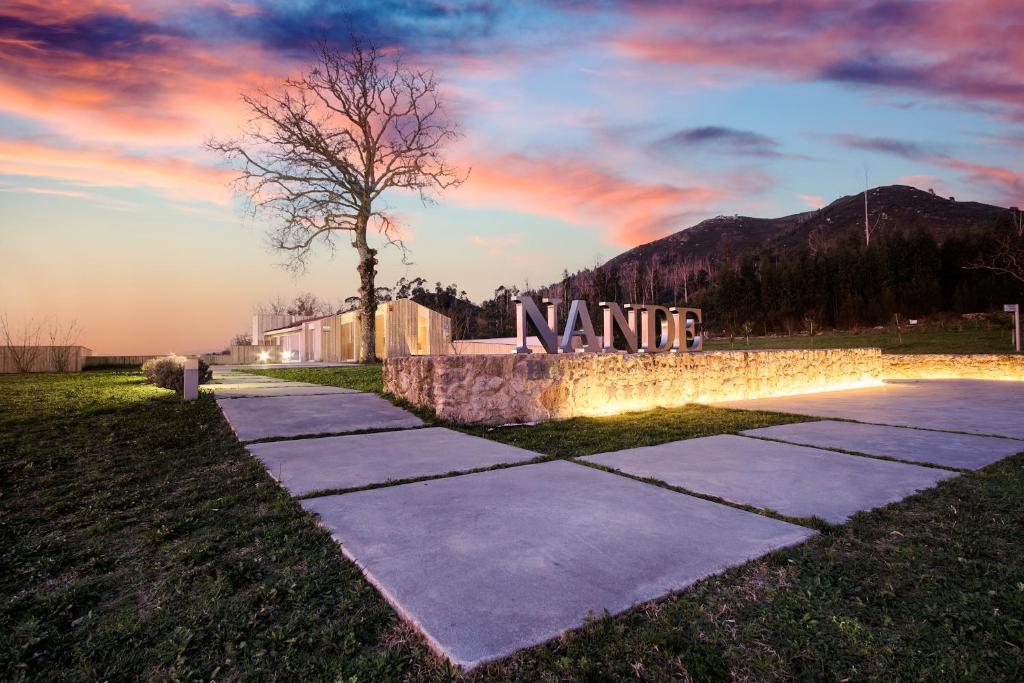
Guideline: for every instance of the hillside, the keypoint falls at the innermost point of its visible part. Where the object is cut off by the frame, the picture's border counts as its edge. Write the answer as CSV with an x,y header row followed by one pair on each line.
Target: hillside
x,y
890,208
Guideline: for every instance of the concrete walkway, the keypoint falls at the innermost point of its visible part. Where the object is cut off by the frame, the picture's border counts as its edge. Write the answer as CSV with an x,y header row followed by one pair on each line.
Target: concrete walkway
x,y
796,481
952,405
344,462
945,449
488,562
485,564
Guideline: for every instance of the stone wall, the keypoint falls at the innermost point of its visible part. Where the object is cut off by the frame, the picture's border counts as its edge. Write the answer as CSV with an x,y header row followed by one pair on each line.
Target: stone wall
x,y
510,388
953,366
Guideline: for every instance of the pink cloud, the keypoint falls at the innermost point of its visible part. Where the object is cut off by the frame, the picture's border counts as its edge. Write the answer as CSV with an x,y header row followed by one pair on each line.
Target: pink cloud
x,y
579,192
969,51
1008,184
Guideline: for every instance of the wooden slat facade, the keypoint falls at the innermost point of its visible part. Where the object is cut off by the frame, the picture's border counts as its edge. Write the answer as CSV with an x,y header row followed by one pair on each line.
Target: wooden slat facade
x,y
403,328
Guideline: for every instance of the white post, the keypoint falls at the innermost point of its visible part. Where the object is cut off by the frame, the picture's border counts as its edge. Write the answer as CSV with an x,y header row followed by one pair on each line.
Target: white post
x,y
1015,309
190,387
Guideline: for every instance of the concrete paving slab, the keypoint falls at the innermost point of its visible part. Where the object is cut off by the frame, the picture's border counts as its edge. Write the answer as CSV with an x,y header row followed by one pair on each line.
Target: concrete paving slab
x,y
485,564
957,405
244,379
270,390
228,367
260,418
965,451
225,384
792,480
339,462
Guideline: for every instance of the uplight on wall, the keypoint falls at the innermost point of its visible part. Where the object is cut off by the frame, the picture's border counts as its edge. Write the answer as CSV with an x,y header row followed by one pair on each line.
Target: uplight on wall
x,y
264,356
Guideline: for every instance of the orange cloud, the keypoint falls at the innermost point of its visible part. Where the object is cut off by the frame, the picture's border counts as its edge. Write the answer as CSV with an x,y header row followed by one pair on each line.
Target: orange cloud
x,y
1009,183
579,192
176,177
812,200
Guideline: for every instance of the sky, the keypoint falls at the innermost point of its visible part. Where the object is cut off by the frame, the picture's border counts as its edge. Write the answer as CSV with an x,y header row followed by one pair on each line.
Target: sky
x,y
586,128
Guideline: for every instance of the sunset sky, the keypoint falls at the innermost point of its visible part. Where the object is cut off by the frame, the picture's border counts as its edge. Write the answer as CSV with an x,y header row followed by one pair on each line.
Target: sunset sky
x,y
588,128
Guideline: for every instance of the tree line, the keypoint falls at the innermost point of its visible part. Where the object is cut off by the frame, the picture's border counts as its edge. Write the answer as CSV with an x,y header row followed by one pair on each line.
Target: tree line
x,y
840,284
844,283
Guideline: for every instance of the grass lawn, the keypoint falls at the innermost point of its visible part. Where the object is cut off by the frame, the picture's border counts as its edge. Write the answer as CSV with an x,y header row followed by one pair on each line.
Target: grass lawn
x,y
922,339
138,540
358,377
588,435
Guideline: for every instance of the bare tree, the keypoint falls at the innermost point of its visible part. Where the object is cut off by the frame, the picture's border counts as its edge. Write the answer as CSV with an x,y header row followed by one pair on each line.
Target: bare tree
x,y
319,152
679,279
22,343
629,280
869,229
303,304
308,304
585,285
652,269
63,344
1006,257
275,306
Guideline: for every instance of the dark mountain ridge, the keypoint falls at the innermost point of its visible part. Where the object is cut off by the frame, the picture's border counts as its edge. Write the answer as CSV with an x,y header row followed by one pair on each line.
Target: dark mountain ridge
x,y
815,269
899,208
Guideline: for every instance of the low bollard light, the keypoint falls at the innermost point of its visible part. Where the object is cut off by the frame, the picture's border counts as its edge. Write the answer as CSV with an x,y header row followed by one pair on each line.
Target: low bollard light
x,y
190,387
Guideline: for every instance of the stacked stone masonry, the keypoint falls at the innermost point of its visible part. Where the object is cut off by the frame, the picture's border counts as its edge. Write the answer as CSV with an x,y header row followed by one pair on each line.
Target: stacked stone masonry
x,y
953,366
502,389
509,388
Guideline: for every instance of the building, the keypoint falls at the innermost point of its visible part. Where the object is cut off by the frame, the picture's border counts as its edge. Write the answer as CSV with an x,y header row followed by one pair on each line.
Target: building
x,y
404,328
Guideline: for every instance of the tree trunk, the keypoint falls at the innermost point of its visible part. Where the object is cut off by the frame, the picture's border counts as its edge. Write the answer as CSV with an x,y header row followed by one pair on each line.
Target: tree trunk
x,y
367,297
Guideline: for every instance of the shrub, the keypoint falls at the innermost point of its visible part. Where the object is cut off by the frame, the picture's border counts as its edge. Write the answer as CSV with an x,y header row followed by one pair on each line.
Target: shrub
x,y
169,372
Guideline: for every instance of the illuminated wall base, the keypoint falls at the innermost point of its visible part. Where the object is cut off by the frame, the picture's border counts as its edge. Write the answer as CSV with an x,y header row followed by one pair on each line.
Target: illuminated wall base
x,y
1008,367
501,389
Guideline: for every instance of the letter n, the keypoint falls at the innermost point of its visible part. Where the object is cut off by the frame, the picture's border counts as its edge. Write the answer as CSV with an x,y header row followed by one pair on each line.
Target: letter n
x,y
613,318
526,313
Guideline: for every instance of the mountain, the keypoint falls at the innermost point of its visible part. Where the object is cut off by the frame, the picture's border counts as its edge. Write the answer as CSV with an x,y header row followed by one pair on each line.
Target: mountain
x,y
890,208
928,256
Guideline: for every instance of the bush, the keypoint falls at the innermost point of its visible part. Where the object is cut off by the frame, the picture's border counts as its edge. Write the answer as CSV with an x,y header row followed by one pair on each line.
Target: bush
x,y
169,372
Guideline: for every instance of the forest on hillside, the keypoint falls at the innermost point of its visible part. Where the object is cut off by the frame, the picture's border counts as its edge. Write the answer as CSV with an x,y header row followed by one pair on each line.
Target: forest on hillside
x,y
842,284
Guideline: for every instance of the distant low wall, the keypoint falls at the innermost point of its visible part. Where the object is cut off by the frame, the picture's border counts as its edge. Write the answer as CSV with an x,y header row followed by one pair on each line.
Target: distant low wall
x,y
42,358
115,361
953,366
489,347
511,388
243,354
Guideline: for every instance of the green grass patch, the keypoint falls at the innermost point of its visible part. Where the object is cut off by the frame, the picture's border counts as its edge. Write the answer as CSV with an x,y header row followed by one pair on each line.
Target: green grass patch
x,y
572,437
588,435
358,377
917,339
139,541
